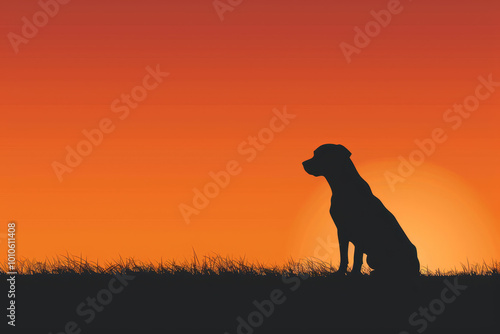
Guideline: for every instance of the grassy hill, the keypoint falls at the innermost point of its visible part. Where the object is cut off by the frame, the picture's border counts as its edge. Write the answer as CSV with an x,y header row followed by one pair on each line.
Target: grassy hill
x,y
220,295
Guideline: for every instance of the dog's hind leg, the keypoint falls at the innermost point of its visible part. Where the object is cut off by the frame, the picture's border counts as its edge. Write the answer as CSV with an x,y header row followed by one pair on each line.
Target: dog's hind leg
x,y
372,262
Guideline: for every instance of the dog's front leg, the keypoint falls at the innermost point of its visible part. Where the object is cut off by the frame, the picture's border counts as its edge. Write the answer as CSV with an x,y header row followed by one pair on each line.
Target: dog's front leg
x,y
358,261
344,248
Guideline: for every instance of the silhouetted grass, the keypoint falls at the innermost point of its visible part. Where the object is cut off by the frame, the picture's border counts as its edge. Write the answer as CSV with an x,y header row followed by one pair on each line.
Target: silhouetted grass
x,y
213,292
212,265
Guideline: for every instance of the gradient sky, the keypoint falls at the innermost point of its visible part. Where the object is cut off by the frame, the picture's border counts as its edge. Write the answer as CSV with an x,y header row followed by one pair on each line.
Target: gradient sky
x,y
225,79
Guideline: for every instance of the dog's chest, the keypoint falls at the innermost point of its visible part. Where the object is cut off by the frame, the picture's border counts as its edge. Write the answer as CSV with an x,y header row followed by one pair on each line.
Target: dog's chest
x,y
343,214
339,213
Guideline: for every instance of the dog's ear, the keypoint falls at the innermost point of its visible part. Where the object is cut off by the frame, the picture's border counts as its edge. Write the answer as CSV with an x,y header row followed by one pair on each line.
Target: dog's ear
x,y
344,151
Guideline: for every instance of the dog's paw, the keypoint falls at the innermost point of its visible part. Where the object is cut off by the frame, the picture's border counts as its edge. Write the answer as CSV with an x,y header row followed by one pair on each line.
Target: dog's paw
x,y
376,274
355,273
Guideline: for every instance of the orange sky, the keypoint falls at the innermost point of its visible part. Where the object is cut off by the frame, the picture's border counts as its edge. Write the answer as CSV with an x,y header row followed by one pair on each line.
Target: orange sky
x,y
225,79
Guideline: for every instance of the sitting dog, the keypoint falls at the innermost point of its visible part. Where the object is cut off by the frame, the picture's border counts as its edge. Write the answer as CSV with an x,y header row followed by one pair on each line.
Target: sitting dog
x,y
361,218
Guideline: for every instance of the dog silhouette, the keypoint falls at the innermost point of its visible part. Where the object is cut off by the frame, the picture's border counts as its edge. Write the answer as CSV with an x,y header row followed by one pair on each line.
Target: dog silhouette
x,y
361,218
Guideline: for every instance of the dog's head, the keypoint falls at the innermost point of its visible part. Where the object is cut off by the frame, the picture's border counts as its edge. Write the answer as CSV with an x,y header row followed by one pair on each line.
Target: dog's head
x,y
326,160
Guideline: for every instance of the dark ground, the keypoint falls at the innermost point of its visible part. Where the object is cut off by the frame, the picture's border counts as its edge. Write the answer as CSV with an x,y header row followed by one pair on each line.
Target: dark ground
x,y
153,303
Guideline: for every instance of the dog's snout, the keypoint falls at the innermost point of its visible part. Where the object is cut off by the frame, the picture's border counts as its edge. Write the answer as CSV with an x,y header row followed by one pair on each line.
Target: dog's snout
x,y
309,167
